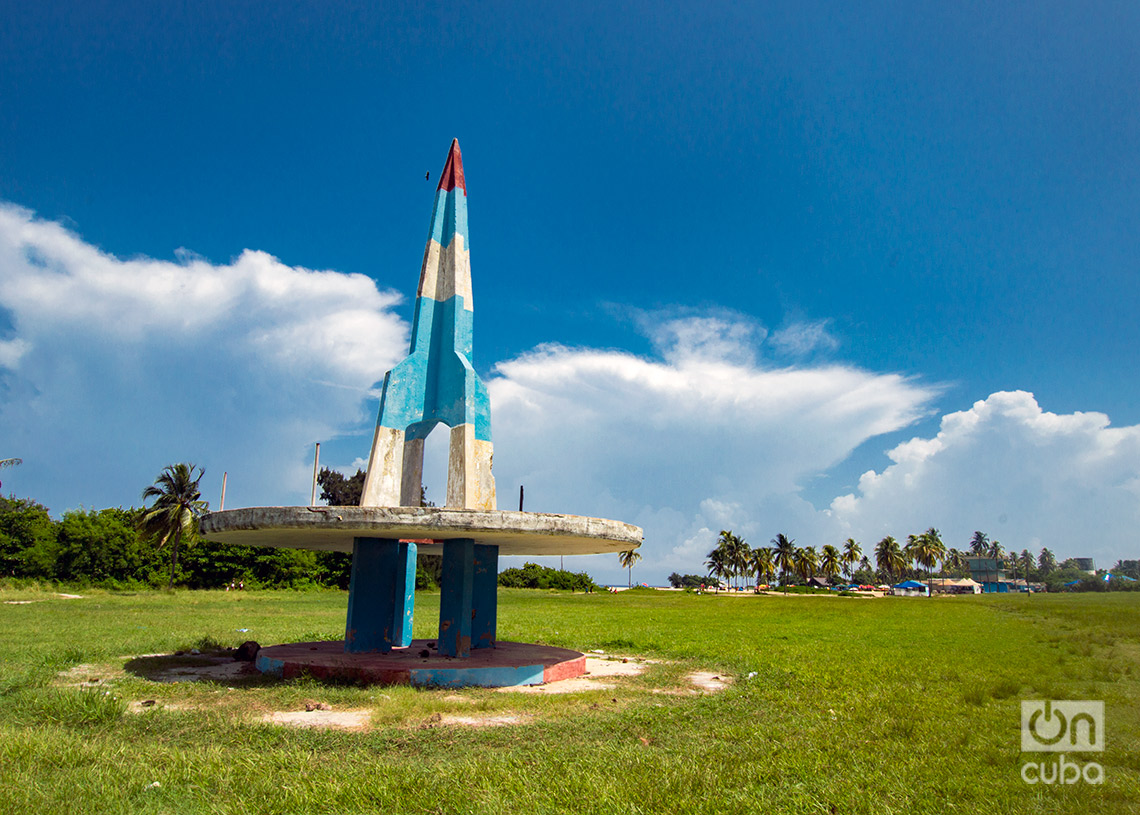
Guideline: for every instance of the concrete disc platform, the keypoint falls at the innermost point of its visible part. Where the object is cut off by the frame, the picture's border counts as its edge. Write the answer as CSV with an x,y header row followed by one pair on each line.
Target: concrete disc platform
x,y
335,528
508,663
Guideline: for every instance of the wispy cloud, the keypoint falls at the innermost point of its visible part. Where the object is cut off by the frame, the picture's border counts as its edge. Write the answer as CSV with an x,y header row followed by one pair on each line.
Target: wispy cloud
x,y
802,338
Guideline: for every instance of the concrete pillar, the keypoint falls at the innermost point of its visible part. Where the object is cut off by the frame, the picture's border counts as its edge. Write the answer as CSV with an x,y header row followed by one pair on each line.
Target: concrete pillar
x,y
412,478
456,597
470,483
383,481
485,596
381,595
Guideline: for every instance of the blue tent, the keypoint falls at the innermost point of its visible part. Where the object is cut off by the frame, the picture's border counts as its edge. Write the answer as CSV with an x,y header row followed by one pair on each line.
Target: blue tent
x,y
910,584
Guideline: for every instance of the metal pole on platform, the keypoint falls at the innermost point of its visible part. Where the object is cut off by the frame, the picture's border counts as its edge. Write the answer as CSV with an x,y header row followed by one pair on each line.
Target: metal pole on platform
x,y
520,497
316,465
224,490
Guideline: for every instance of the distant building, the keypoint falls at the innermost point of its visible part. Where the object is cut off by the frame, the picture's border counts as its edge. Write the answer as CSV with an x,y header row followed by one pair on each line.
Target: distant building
x,y
1085,564
990,572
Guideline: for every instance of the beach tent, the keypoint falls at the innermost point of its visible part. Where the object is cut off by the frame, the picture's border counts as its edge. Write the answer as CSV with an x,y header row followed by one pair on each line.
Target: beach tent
x,y
909,588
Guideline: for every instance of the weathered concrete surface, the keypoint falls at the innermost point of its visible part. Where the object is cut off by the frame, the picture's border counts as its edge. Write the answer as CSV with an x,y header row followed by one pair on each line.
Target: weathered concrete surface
x,y
334,528
508,663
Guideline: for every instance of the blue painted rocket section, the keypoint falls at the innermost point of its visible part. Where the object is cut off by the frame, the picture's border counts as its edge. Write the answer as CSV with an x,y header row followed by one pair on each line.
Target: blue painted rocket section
x,y
381,595
436,382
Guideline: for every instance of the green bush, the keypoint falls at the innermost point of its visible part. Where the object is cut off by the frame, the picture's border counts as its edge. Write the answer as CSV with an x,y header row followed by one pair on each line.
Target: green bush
x,y
533,576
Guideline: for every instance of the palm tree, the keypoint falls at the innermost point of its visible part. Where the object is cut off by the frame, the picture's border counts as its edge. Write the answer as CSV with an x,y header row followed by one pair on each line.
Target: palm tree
x,y
1026,565
929,549
851,554
783,554
763,565
955,561
980,543
829,562
864,564
176,508
741,556
910,550
996,553
736,552
889,558
806,562
627,559
718,565
10,462
1046,562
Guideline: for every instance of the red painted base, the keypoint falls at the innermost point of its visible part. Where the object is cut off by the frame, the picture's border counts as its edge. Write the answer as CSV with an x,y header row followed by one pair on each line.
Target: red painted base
x,y
505,665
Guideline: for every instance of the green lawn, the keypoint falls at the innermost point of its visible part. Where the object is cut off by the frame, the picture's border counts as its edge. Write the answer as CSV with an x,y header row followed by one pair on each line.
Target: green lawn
x,y
838,705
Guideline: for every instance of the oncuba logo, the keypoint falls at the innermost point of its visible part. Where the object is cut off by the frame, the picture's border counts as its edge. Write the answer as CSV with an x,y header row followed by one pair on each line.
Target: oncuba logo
x,y
1058,727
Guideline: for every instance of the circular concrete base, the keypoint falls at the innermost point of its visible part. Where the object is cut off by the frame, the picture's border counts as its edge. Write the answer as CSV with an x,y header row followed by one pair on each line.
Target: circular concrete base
x,y
507,664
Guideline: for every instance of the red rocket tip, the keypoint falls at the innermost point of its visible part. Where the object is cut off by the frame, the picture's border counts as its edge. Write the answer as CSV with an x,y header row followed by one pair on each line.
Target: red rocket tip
x,y
452,175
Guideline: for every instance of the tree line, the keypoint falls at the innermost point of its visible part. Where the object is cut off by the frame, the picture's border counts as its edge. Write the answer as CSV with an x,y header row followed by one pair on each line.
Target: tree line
x,y
922,556
107,548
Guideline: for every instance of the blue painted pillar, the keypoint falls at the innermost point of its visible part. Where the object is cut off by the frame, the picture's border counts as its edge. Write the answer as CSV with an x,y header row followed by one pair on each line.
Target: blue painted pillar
x,y
381,595
455,600
485,596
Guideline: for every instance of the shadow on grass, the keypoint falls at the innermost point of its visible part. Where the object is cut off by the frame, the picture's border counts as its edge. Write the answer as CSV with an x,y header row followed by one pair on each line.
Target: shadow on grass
x,y
213,666
218,667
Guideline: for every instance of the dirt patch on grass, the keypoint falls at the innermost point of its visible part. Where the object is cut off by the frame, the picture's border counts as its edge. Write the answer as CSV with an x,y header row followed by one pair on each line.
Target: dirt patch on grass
x,y
323,718
707,682
481,720
698,682
144,705
88,675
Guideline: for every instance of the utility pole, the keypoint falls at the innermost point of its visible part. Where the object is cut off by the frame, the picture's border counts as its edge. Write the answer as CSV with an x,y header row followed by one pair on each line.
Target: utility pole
x,y
224,490
316,466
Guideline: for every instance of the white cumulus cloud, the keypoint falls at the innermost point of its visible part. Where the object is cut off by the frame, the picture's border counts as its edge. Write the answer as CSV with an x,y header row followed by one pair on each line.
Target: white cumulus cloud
x,y
114,368
702,438
1026,477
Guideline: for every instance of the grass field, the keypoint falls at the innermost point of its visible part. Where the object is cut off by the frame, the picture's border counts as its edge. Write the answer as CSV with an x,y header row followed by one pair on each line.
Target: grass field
x,y
892,705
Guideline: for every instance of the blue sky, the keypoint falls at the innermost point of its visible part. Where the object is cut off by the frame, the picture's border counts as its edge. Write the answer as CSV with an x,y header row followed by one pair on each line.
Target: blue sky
x,y
804,234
